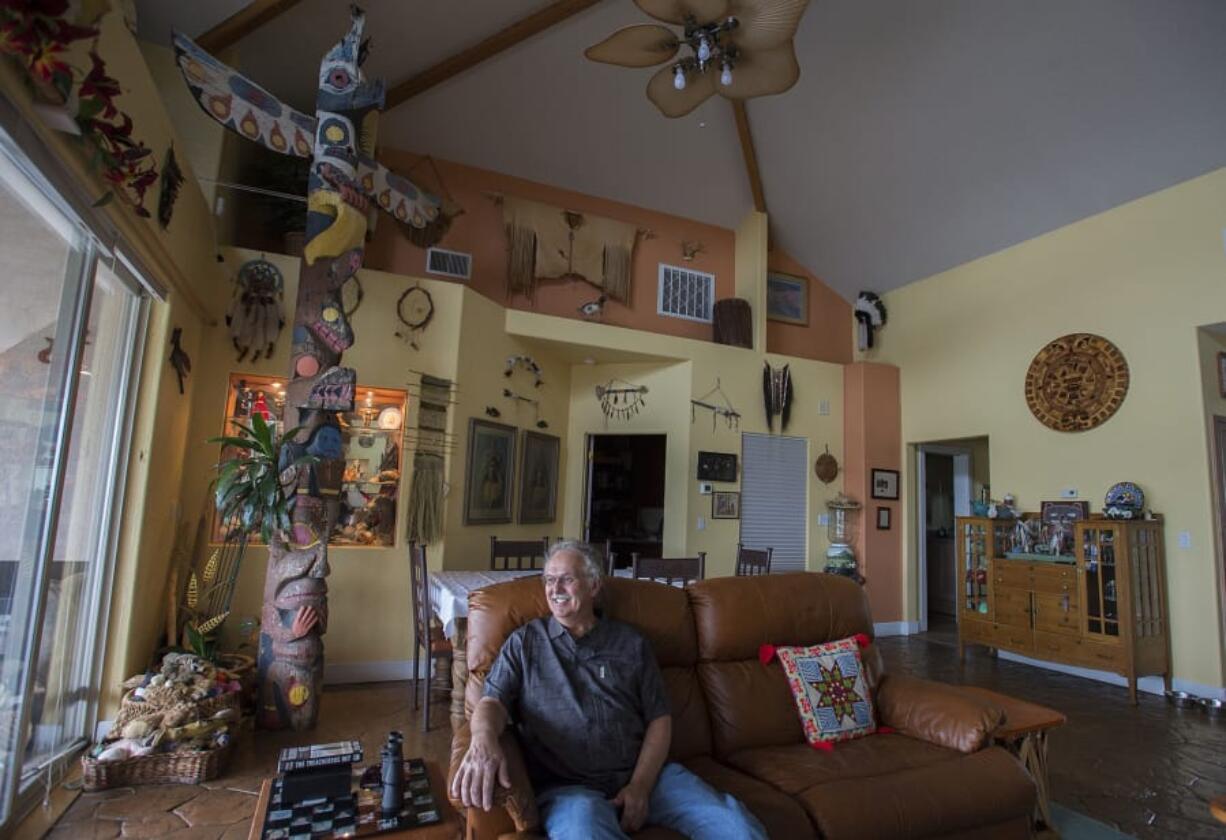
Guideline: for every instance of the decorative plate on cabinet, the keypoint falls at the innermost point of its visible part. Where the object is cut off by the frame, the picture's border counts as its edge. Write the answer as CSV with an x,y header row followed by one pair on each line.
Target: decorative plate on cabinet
x,y
1076,382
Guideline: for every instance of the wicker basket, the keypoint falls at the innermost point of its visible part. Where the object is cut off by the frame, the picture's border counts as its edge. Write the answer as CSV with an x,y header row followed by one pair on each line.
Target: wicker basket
x,y
132,709
186,768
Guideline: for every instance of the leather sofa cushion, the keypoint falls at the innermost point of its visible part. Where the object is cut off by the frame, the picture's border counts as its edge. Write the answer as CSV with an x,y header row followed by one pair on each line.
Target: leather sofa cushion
x,y
750,705
736,615
937,712
691,725
798,767
781,815
937,800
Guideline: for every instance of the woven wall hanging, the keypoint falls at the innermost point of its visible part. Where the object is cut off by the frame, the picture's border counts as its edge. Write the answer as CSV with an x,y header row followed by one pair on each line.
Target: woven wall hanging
x,y
1076,382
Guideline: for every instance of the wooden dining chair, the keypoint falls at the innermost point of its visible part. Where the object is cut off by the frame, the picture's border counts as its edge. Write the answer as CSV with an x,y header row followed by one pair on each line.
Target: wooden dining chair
x,y
506,555
426,648
753,561
668,570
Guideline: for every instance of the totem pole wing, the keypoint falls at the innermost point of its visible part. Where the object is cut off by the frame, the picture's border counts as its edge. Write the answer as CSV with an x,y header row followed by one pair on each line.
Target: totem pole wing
x,y
241,105
397,195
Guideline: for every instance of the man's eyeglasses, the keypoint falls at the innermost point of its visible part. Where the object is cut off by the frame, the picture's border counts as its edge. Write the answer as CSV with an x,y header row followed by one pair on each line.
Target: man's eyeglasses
x,y
559,580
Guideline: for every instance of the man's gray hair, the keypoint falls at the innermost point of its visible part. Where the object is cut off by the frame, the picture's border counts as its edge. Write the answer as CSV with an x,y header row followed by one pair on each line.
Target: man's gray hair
x,y
592,567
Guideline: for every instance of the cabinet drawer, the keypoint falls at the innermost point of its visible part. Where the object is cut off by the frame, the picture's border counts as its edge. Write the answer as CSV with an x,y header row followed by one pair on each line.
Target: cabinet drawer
x,y
1058,579
1018,639
1012,606
1053,614
1104,656
1058,647
1011,573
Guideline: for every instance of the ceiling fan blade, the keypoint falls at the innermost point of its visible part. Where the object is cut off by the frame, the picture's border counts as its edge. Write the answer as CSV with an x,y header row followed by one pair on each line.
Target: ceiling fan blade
x,y
636,46
763,73
765,23
678,103
675,11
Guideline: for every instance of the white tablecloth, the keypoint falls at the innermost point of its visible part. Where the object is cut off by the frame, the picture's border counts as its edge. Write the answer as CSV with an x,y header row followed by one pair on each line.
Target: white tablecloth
x,y
449,592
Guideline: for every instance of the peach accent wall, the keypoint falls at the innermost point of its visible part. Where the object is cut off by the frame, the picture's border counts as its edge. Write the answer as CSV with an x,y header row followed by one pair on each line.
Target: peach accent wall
x,y
872,429
827,338
479,231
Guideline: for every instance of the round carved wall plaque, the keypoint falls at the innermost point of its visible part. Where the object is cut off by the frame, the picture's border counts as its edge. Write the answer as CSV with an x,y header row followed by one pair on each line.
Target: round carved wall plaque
x,y
1076,382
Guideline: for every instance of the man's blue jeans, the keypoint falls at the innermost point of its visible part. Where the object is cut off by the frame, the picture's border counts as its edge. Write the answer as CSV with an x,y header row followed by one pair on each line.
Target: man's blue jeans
x,y
680,801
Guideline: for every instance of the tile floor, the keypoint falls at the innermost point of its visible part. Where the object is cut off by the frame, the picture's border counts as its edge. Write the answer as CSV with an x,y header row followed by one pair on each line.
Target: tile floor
x,y
1148,770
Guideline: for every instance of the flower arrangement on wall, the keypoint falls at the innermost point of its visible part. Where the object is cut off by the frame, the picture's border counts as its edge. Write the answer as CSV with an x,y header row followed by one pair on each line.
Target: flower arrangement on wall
x,y
38,34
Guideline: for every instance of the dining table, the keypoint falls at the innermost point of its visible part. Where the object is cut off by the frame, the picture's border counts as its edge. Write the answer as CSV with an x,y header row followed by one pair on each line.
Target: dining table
x,y
449,591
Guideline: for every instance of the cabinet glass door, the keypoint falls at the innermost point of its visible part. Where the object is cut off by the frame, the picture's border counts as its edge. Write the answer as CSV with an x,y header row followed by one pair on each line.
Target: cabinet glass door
x,y
973,551
1099,562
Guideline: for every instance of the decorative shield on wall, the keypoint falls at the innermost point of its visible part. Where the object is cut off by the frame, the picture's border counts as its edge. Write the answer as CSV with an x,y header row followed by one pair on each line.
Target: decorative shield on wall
x,y
1076,382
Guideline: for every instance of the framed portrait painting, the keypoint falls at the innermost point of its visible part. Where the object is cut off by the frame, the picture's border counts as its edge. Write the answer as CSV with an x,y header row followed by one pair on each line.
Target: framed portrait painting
x,y
787,298
884,484
538,478
726,504
491,469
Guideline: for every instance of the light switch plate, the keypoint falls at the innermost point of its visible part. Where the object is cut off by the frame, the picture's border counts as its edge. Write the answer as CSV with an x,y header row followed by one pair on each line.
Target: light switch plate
x,y
702,523
1068,493
823,407
1185,539
823,519
704,487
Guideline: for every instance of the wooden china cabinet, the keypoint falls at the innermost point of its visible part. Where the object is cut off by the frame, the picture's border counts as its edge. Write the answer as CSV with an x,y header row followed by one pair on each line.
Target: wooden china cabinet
x,y
1102,607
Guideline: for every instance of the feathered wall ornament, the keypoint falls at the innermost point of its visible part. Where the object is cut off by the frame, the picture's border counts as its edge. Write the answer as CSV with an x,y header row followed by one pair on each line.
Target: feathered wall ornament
x,y
777,394
870,315
257,312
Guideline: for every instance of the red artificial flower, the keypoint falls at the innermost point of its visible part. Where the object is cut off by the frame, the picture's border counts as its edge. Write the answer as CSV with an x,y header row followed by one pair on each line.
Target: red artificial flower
x,y
16,38
47,66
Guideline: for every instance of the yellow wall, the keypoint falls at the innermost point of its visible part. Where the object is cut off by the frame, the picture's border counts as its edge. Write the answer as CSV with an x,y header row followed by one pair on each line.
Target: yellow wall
x,y
1144,275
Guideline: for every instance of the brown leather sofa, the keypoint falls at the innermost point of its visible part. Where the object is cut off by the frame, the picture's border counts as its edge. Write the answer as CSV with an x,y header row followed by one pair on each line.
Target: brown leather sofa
x,y
735,724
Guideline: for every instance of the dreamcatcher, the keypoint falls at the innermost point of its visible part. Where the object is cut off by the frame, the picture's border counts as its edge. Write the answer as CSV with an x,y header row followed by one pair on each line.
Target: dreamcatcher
x,y
257,310
527,363
351,296
620,399
415,308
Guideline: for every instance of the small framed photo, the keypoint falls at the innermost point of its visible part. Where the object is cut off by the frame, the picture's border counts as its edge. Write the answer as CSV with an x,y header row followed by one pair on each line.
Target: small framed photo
x,y
884,484
726,504
787,298
883,519
1221,373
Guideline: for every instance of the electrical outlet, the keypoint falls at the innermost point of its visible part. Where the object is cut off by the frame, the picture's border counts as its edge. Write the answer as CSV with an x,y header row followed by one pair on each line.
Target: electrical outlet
x,y
705,488
823,519
1185,539
1068,493
702,523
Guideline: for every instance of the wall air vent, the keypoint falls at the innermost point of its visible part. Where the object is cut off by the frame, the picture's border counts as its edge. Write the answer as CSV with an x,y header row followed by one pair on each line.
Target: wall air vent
x,y
685,293
449,263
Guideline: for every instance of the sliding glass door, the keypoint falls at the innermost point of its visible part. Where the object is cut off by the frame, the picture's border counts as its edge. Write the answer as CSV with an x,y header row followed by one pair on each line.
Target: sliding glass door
x,y
70,322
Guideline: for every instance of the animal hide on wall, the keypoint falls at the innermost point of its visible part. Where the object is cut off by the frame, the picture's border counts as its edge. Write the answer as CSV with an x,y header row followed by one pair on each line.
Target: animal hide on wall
x,y
549,243
777,392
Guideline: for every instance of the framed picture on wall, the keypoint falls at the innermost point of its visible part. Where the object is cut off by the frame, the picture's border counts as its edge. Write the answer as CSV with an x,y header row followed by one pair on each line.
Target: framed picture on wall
x,y
884,484
726,504
787,298
491,468
538,478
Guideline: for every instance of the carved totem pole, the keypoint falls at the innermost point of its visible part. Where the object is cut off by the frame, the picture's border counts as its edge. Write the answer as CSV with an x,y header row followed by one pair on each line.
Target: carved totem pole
x,y
343,179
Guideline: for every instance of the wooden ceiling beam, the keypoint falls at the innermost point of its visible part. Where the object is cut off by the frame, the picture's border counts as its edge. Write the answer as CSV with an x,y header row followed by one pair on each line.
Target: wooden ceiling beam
x,y
750,155
502,40
242,23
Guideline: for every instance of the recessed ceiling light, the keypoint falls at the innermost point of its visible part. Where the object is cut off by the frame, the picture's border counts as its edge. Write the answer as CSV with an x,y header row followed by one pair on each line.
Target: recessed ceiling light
x,y
589,361
702,125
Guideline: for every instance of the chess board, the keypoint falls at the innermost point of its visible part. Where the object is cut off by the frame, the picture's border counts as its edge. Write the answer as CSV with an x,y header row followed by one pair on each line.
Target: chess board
x,y
355,815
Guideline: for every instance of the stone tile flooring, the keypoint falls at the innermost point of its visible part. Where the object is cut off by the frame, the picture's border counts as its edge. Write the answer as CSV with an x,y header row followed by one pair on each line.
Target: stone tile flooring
x,y
1148,770
222,809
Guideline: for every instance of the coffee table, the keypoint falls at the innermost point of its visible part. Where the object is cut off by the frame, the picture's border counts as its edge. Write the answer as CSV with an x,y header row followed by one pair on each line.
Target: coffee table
x,y
451,827
1024,733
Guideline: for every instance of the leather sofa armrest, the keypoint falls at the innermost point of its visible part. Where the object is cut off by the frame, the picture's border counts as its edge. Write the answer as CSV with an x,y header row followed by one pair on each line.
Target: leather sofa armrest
x,y
937,712
514,807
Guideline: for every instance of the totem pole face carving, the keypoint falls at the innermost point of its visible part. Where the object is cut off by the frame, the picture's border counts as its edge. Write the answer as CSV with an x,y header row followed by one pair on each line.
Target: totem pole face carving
x,y
343,181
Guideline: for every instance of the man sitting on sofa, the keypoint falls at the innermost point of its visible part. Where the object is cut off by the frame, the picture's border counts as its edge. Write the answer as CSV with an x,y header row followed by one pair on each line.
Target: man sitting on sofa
x,y
589,706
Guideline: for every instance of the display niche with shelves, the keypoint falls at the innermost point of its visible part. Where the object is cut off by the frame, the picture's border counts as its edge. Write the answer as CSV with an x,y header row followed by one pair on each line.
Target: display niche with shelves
x,y
372,436
1100,602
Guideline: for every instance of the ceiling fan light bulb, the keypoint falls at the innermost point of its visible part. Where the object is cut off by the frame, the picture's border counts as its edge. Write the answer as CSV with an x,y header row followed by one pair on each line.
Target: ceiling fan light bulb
x,y
725,77
679,79
704,49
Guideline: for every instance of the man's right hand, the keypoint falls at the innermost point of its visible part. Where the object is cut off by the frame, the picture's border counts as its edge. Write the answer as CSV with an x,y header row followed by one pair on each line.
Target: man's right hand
x,y
484,763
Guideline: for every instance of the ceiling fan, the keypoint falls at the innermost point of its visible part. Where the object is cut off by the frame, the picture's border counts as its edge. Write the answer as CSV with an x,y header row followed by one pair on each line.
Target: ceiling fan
x,y
738,48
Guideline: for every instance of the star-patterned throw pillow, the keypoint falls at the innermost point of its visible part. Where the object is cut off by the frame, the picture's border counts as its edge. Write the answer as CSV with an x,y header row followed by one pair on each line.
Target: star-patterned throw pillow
x,y
830,690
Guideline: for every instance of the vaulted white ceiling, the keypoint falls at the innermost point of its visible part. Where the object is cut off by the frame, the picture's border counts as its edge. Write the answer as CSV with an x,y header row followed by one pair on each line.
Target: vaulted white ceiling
x,y
920,135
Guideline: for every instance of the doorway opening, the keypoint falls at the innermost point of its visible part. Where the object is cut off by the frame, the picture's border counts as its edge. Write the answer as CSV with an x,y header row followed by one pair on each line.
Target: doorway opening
x,y
625,494
949,474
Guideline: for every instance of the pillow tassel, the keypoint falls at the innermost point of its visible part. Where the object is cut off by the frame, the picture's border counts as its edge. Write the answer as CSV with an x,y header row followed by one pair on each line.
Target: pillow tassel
x,y
823,746
766,654
862,640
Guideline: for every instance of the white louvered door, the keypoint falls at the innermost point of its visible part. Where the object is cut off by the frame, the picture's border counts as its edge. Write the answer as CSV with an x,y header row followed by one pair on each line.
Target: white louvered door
x,y
775,498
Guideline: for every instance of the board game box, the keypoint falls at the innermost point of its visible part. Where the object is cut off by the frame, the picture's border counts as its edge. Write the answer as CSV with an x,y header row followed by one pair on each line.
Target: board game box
x,y
319,755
